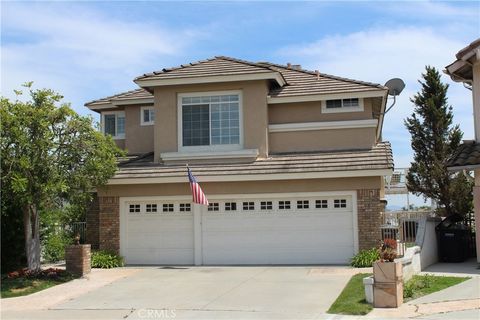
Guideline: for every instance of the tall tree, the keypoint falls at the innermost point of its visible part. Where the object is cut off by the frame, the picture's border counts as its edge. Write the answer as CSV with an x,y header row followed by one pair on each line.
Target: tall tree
x,y
50,156
434,140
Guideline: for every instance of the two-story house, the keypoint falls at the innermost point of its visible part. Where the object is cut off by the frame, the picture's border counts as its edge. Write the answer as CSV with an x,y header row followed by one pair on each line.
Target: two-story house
x,y
291,161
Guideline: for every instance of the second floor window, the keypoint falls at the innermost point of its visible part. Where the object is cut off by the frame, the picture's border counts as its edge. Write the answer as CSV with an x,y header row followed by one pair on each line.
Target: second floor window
x,y
210,120
114,124
147,116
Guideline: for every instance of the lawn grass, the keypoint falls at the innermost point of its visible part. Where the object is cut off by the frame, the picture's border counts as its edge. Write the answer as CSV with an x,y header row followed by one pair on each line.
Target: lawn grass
x,y
352,299
23,286
421,285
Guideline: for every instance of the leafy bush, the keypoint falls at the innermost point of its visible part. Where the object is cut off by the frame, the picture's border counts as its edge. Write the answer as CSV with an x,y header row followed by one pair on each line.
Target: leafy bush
x,y
365,258
418,282
106,260
54,246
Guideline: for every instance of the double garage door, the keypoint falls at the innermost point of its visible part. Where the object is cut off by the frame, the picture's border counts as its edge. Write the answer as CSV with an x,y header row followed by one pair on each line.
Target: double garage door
x,y
236,230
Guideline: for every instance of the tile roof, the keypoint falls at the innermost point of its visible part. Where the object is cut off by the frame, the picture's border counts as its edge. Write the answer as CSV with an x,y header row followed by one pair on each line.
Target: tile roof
x,y
466,156
305,82
216,66
299,82
377,158
124,96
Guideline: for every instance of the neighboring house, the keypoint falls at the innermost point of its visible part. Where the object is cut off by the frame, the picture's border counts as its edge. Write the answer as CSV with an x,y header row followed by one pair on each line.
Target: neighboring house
x,y
466,69
291,161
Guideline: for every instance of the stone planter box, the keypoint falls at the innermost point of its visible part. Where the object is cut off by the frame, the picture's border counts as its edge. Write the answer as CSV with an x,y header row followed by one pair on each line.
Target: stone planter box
x,y
78,259
388,285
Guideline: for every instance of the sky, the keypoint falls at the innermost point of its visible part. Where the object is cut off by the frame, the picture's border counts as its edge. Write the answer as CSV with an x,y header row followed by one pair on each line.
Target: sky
x,y
88,50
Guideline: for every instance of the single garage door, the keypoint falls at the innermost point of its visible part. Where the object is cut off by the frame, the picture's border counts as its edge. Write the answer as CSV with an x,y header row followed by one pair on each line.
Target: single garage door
x,y
251,230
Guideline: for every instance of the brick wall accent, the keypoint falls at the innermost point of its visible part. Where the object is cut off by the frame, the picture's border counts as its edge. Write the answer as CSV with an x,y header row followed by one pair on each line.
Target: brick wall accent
x,y
78,259
92,232
109,224
369,210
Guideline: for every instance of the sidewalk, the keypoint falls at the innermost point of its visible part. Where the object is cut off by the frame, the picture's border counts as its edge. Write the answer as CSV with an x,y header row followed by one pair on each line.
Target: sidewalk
x,y
458,302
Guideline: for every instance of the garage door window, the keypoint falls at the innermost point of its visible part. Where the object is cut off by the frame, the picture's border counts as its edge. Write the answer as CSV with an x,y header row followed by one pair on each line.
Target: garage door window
x,y
168,207
134,208
321,204
185,207
151,207
302,204
266,205
213,206
230,206
247,206
284,205
340,203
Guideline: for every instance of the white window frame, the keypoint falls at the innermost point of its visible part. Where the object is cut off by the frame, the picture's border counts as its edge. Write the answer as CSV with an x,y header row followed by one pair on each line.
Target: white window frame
x,y
221,147
359,108
142,120
117,114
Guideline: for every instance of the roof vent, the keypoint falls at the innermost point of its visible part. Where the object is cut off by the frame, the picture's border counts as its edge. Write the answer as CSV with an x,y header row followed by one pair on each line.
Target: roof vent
x,y
289,65
318,74
296,66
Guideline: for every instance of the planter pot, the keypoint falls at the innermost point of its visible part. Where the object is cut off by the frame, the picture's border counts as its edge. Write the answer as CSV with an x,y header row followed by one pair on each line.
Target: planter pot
x,y
78,259
387,272
388,285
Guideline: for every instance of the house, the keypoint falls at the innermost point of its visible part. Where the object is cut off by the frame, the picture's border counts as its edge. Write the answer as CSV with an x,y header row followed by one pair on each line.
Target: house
x,y
466,69
292,163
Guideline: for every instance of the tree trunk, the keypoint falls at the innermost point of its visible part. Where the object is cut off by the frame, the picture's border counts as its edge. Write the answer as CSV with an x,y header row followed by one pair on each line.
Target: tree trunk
x,y
31,224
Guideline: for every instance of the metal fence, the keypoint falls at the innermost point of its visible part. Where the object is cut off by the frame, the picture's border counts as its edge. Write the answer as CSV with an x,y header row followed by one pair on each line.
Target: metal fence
x,y
402,226
81,229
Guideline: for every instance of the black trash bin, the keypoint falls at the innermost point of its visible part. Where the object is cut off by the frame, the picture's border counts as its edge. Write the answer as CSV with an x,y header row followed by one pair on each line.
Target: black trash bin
x,y
453,239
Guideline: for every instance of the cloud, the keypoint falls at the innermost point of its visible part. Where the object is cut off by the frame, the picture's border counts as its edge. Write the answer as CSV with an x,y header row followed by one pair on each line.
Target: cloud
x,y
75,49
379,54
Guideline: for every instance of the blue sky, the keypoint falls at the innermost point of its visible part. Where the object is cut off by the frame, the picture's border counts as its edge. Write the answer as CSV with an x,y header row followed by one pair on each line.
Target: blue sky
x,y
88,50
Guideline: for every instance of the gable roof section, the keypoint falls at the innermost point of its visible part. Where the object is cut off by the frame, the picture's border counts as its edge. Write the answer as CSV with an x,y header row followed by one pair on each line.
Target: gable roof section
x,y
136,96
293,84
302,82
295,165
217,69
461,69
467,156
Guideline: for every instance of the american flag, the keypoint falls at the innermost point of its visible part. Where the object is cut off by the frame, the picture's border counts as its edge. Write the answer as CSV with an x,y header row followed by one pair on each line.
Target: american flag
x,y
197,193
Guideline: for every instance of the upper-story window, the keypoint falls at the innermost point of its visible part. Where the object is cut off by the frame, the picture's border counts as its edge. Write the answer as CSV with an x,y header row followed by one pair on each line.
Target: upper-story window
x,y
113,123
342,105
147,116
210,121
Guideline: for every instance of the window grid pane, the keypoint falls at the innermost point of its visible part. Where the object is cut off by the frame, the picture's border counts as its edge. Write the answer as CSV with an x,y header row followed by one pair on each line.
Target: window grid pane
x,y
120,125
185,207
284,205
151,207
302,204
196,125
266,205
321,204
248,205
213,206
109,124
230,206
340,203
167,207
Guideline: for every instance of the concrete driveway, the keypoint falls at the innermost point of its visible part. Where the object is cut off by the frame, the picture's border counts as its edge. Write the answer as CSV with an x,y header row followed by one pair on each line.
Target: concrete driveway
x,y
206,293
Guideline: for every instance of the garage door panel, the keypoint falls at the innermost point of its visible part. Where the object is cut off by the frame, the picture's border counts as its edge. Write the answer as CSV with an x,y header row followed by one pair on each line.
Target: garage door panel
x,y
263,233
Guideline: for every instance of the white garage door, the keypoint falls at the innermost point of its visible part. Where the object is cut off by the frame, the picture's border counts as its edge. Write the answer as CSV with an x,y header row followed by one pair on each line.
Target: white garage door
x,y
155,232
252,230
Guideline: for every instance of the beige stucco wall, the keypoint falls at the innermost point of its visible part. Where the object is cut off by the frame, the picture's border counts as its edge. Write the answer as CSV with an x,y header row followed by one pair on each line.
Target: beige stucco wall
x,y
120,143
320,140
254,95
244,187
312,112
139,139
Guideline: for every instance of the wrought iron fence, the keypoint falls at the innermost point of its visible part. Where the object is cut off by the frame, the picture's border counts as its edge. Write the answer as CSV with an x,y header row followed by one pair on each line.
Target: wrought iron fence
x,y
402,226
81,229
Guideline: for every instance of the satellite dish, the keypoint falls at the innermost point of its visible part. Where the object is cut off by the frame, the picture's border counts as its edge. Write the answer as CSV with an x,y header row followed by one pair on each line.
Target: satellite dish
x,y
395,86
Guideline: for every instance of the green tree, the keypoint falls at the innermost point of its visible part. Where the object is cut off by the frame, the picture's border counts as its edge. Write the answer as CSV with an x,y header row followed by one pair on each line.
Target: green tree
x,y
50,156
434,140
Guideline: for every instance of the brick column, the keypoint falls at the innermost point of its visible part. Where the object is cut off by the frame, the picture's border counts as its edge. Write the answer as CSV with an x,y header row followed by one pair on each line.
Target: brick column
x,y
109,224
77,259
369,211
93,223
